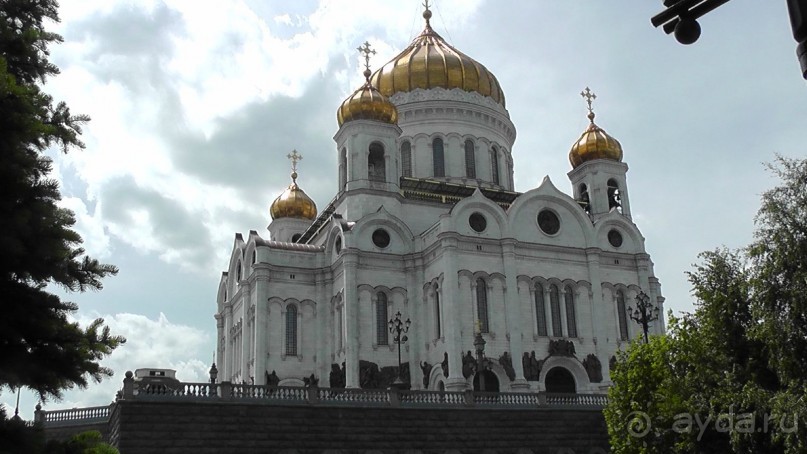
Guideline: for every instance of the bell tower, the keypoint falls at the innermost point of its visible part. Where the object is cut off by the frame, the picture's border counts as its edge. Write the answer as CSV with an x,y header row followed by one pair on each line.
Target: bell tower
x,y
366,140
598,173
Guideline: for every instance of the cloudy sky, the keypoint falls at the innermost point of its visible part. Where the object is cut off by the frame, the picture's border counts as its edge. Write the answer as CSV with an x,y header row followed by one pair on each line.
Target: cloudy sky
x,y
195,105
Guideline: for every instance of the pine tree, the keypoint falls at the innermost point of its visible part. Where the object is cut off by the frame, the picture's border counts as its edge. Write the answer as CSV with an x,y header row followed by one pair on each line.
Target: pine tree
x,y
39,347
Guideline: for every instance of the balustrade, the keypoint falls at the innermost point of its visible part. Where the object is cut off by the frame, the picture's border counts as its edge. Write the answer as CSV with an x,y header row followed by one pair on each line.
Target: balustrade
x,y
284,395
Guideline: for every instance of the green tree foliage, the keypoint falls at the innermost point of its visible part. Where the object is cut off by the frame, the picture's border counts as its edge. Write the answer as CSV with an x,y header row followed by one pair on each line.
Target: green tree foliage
x,y
729,377
39,347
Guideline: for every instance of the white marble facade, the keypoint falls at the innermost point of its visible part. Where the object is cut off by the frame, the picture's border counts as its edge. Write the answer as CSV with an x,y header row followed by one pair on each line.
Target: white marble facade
x,y
465,252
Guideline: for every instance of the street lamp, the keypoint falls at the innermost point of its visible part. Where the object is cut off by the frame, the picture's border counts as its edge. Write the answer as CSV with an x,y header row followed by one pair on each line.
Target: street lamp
x,y
399,328
644,313
214,373
482,363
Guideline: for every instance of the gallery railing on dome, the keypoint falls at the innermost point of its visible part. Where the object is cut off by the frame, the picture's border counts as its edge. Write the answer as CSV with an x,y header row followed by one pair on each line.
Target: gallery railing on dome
x,y
348,397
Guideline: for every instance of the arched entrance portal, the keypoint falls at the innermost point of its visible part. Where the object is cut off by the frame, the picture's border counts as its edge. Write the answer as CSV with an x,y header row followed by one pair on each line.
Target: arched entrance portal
x,y
559,380
486,381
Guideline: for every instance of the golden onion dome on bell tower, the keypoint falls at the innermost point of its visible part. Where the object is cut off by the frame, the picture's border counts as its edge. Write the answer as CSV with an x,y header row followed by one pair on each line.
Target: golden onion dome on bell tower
x,y
430,62
367,103
293,202
594,143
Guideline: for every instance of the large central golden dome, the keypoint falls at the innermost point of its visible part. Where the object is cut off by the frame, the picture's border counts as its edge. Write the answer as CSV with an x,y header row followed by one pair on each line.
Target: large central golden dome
x,y
430,62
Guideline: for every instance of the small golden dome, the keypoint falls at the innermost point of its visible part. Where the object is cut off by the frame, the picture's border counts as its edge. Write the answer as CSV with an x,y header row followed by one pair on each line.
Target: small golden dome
x,y
430,62
293,203
367,103
594,143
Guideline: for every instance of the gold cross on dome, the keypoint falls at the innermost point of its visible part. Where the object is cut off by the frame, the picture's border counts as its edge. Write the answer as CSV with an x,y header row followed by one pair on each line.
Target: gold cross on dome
x,y
366,50
294,157
590,96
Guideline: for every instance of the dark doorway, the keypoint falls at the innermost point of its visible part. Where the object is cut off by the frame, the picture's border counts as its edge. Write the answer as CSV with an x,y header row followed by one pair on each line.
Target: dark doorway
x,y
486,381
560,380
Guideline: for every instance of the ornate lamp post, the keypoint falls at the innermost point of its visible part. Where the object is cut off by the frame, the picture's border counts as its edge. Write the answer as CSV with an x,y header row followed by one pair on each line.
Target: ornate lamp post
x,y
644,313
214,373
482,363
399,329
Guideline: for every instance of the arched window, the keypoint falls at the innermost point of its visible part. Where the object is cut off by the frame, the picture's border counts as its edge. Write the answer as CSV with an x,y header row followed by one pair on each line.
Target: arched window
x,y
540,310
482,305
494,165
381,333
623,315
342,169
254,257
238,273
438,157
437,312
571,319
554,304
376,167
470,159
406,159
291,330
614,196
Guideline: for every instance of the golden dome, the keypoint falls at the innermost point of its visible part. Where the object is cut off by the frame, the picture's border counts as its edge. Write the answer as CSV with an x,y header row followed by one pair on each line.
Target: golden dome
x,y
367,103
430,62
293,203
594,143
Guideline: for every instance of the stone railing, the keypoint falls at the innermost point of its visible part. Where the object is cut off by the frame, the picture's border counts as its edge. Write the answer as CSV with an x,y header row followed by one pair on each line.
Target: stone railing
x,y
284,395
292,395
72,416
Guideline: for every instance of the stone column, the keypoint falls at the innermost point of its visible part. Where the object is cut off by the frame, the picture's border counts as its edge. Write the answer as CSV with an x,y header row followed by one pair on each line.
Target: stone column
x,y
229,353
413,307
513,314
261,328
323,348
562,305
601,331
220,341
550,327
453,336
245,302
351,307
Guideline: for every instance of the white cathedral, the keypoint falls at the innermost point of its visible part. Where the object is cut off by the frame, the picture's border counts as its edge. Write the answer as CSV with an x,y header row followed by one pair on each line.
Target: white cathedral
x,y
426,222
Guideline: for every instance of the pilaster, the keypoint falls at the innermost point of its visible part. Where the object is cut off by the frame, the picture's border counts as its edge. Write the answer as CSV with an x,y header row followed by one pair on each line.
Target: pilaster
x,y
450,290
513,313
351,308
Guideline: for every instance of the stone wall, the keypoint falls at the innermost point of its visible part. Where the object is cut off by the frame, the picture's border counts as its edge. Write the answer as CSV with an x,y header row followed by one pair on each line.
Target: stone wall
x,y
220,427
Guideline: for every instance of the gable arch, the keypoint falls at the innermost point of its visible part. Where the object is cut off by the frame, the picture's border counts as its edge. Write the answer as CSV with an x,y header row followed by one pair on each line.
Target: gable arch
x,y
497,222
576,228
633,241
365,226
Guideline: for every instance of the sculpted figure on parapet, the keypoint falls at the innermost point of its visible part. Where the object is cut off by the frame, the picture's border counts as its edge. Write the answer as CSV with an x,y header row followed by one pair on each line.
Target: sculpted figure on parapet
x,y
427,369
272,379
468,365
532,366
507,364
337,377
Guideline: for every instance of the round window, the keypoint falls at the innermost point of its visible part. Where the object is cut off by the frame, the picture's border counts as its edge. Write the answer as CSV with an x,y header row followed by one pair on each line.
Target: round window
x,y
548,222
338,246
478,222
615,238
381,238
